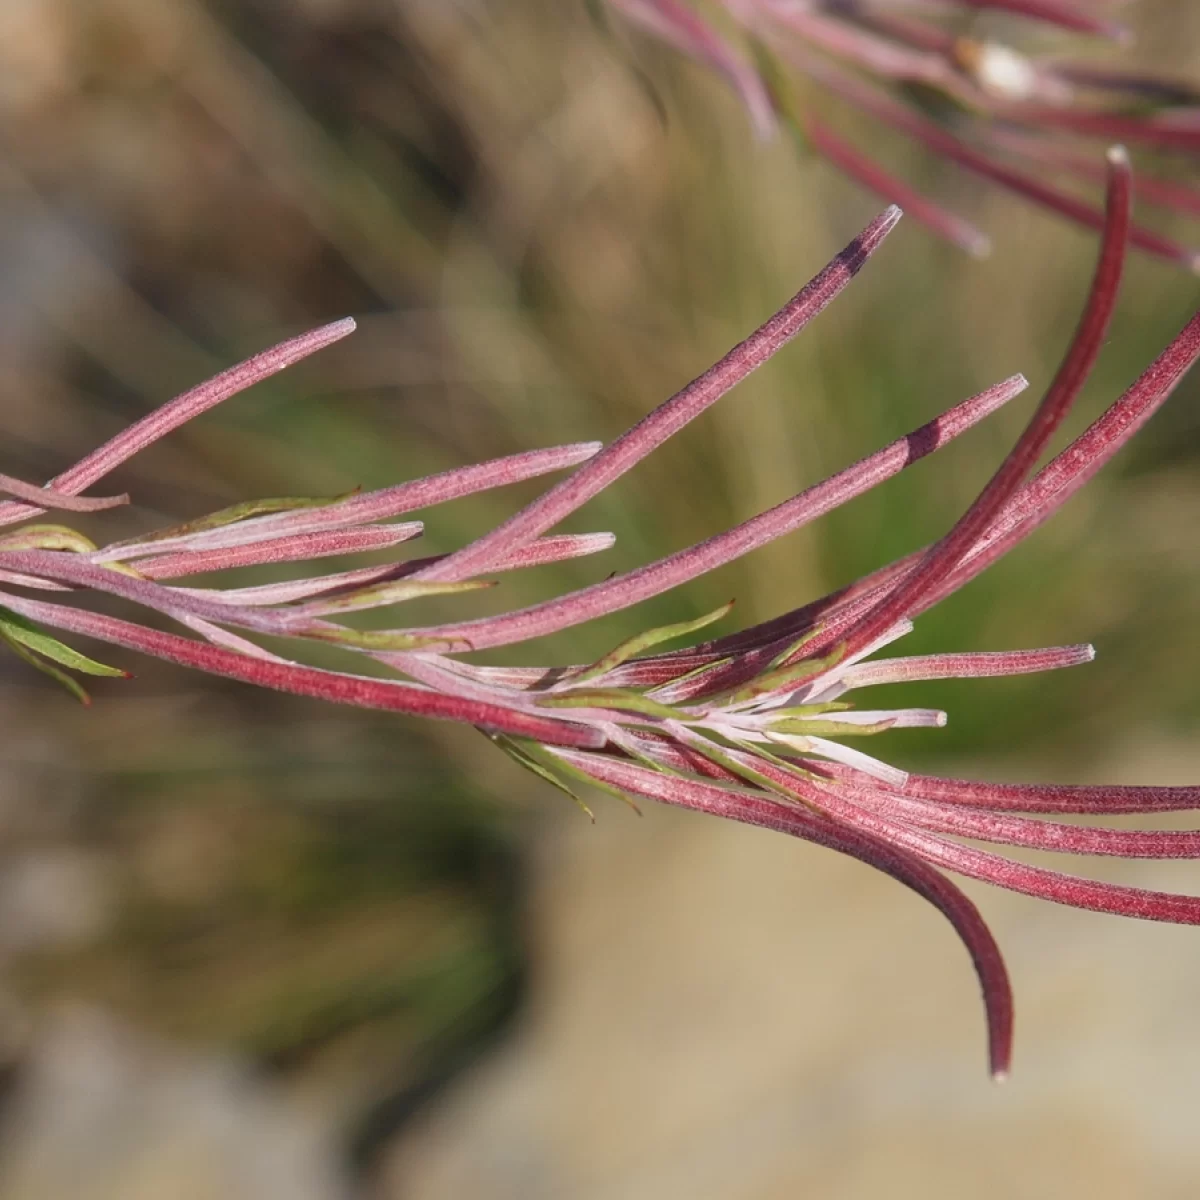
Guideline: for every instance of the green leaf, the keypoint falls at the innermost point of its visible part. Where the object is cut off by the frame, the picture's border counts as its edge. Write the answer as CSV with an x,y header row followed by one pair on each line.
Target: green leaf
x,y
697,673
46,668
18,629
577,773
516,750
819,728
643,641
35,646
616,698
542,761
47,537
654,765
715,754
795,647
813,710
238,512
788,676
760,751
395,592
367,639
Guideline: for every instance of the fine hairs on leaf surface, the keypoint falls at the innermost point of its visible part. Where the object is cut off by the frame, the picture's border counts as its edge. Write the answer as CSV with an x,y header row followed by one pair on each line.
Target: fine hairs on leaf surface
x,y
755,726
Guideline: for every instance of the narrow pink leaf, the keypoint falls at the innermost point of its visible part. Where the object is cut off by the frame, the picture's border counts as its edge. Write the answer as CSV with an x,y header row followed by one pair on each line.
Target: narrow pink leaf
x,y
76,570
1034,504
892,113
182,409
1053,797
1173,93
771,636
48,497
963,666
368,506
300,547
614,594
1070,890
1165,131
1166,193
440,674
937,565
648,434
1008,830
877,56
30,581
1064,475
231,641
337,688
545,550
752,808
908,31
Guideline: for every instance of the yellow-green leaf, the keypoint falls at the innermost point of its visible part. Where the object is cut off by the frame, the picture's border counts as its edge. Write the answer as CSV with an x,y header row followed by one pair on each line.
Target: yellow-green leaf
x,y
523,758
788,676
643,641
235,513
47,537
46,668
618,698
16,628
395,592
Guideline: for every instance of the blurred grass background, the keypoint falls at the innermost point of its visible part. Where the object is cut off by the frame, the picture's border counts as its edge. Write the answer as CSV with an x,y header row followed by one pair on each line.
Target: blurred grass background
x,y
539,247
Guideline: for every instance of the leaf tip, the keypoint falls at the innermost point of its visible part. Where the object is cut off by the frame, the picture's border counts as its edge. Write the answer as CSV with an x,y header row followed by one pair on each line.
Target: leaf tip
x,y
978,245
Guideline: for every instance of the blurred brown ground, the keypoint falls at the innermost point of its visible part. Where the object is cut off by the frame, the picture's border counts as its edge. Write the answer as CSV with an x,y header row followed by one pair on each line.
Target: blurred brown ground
x,y
255,947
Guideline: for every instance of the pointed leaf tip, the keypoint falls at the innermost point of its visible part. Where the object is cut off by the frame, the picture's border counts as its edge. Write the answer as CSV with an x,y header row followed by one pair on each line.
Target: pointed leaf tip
x,y
644,641
19,629
872,237
980,246
1118,157
334,331
533,758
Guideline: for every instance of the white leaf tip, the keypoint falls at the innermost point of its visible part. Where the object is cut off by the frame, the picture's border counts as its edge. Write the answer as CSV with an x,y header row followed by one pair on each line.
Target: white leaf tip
x,y
978,246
